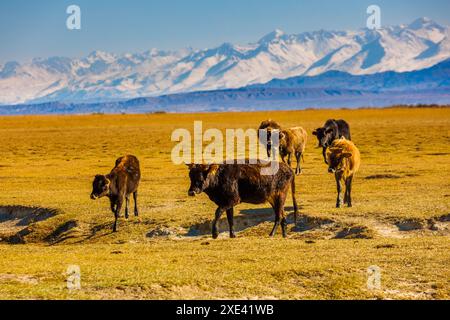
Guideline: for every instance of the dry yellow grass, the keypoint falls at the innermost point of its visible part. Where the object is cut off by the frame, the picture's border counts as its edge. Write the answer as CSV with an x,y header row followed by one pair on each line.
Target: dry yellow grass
x,y
49,161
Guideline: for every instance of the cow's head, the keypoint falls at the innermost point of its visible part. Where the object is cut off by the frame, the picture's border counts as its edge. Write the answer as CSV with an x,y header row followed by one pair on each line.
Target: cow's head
x,y
201,176
100,187
269,126
335,157
325,136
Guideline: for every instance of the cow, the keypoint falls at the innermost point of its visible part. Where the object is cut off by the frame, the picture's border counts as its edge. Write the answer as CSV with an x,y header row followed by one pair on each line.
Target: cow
x,y
269,126
343,160
230,184
331,130
118,185
293,142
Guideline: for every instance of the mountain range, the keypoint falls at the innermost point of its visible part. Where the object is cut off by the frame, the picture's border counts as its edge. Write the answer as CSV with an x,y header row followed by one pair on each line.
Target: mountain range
x,y
332,89
355,64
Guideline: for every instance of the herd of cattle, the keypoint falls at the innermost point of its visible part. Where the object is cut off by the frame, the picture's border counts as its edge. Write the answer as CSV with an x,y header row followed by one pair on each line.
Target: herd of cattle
x,y
230,184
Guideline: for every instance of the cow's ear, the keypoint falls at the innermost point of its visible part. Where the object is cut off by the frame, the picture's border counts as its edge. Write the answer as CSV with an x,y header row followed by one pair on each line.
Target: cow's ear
x,y
189,165
314,133
347,154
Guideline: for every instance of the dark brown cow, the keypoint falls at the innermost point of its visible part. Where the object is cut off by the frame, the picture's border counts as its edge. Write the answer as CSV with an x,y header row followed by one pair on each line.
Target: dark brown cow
x,y
269,126
122,181
230,184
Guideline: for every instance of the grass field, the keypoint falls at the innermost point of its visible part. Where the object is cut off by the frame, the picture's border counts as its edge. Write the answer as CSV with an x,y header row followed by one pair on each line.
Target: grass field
x,y
400,220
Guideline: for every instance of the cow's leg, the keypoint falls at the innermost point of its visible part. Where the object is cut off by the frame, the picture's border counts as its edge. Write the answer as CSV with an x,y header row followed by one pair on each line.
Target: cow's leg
x,y
218,214
127,204
282,200
339,190
136,212
230,214
348,190
289,160
117,213
298,169
294,200
324,153
112,202
278,210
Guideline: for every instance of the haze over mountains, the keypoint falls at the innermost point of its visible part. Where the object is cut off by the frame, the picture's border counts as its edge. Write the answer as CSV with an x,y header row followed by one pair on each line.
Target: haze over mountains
x,y
354,63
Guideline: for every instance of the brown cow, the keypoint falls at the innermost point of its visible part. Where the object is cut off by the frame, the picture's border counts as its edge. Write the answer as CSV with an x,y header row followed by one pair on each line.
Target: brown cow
x,y
343,159
122,181
293,142
230,184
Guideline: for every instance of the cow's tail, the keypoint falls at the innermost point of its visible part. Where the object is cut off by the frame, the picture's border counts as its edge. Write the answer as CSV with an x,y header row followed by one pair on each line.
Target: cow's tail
x,y
293,199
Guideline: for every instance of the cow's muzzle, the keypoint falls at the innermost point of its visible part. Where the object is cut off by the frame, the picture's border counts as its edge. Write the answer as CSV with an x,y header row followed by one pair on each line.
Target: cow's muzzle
x,y
331,170
93,196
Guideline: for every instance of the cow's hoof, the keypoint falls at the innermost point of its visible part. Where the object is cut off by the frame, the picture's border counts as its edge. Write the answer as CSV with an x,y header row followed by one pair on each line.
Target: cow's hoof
x,y
232,235
215,235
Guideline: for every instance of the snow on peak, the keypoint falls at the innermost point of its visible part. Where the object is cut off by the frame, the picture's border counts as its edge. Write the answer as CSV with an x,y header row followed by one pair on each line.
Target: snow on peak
x,y
274,35
424,23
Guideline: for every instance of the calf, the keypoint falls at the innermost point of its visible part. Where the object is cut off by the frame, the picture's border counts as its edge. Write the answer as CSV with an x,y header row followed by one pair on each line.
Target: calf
x,y
343,160
122,181
293,142
269,126
332,130
230,184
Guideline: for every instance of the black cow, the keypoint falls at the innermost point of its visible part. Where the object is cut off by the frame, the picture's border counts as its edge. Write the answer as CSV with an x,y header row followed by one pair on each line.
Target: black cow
x,y
331,130
230,184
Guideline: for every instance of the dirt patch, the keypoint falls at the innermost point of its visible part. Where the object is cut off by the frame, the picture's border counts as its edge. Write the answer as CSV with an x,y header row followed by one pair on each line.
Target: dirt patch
x,y
25,279
165,232
323,228
382,176
306,223
247,219
63,232
355,232
410,224
15,220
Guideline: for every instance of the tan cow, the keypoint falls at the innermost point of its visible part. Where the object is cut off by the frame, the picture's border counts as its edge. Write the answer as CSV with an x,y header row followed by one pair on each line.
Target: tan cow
x,y
343,159
293,142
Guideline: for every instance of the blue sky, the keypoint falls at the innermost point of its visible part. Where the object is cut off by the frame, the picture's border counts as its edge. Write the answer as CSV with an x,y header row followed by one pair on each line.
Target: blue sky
x,y
38,28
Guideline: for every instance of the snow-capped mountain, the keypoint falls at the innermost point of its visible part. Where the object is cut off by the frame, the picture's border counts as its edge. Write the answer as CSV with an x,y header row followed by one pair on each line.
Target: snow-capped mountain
x,y
104,76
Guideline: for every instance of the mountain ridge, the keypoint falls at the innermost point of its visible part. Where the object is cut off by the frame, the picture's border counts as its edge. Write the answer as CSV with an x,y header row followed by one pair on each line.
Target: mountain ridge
x,y
103,76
